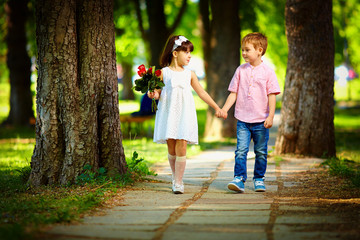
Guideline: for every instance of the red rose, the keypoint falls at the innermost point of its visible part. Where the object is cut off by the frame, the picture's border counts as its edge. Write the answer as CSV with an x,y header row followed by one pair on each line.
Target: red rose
x,y
149,70
142,70
158,73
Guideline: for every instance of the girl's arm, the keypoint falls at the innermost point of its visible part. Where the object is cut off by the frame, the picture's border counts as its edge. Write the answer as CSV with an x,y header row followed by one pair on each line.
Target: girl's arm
x,y
204,95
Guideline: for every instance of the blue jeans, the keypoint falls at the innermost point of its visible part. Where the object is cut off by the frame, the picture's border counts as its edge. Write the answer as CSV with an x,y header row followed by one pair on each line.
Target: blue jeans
x,y
260,136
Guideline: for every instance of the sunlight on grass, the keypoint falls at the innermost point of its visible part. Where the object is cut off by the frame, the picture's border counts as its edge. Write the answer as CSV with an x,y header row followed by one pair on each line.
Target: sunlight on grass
x,y
351,91
348,122
153,152
15,155
4,100
127,106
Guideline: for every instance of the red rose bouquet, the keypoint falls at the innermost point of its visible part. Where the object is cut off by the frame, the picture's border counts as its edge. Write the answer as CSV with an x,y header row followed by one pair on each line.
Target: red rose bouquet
x,y
149,81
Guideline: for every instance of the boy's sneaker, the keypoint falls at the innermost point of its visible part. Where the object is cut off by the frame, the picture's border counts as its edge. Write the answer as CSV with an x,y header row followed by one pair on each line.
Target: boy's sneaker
x,y
259,185
178,188
237,185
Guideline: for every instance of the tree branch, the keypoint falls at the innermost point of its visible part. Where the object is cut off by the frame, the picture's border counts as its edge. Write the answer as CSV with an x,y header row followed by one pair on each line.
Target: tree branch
x,y
205,28
140,20
178,17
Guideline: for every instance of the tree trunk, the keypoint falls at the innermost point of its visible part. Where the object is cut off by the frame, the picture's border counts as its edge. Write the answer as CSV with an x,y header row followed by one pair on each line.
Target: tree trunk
x,y
77,99
221,60
157,28
18,62
307,113
127,92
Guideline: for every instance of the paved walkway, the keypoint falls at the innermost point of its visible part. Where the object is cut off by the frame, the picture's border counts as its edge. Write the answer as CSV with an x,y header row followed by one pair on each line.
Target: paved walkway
x,y
208,210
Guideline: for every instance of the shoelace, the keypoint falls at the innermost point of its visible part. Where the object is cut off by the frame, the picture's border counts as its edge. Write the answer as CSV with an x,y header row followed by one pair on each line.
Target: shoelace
x,y
237,179
259,183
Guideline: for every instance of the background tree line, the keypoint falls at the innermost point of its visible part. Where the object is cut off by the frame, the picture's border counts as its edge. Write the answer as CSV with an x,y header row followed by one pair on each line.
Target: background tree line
x,y
141,29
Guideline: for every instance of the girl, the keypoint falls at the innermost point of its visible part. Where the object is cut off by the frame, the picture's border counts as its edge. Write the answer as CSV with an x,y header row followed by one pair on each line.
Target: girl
x,y
176,121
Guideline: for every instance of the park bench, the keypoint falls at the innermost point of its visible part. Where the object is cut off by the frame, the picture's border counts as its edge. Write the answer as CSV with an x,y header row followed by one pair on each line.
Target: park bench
x,y
134,124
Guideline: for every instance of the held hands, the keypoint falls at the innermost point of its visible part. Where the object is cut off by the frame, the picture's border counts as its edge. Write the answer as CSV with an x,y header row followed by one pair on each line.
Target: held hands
x,y
220,113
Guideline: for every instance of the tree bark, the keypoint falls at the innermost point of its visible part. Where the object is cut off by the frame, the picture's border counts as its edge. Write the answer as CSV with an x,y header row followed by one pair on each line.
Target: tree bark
x,y
77,99
307,113
18,62
221,37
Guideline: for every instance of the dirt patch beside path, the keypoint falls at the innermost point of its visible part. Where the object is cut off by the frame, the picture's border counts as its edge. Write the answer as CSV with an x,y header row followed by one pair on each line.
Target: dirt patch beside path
x,y
316,192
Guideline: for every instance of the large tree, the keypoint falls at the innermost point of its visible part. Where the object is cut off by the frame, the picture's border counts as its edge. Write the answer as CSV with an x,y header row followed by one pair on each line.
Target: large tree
x,y
307,113
221,43
77,96
18,62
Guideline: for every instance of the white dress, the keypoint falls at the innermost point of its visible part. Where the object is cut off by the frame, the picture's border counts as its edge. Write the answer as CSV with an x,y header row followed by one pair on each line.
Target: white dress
x,y
176,114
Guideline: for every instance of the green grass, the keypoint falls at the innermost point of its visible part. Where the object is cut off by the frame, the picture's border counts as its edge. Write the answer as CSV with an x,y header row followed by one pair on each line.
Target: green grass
x,y
23,208
347,133
347,137
347,118
349,92
4,100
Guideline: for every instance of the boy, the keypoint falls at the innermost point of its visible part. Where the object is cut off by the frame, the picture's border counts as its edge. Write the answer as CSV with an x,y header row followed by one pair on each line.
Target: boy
x,y
253,89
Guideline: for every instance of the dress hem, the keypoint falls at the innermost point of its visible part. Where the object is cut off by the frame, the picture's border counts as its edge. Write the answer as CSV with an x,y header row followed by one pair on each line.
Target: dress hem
x,y
163,141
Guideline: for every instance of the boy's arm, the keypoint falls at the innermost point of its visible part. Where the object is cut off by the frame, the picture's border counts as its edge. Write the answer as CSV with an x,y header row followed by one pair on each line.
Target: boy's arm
x,y
272,104
231,99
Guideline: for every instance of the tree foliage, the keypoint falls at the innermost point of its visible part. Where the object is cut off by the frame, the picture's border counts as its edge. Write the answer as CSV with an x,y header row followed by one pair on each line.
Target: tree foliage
x,y
346,16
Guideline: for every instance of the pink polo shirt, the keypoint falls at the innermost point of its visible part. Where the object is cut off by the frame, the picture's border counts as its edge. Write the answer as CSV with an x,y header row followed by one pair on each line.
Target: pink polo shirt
x,y
253,85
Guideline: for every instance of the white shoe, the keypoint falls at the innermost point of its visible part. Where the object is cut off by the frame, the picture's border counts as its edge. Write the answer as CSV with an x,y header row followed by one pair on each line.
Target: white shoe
x,y
178,188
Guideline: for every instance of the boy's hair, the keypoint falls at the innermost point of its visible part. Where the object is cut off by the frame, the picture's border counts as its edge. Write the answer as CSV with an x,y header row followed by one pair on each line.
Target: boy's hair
x,y
257,39
166,56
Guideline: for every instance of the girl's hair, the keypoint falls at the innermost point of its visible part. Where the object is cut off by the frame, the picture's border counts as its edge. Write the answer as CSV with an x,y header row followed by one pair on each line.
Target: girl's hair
x,y
256,39
166,56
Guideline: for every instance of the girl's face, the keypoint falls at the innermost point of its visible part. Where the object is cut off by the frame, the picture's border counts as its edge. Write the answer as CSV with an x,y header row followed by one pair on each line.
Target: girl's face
x,y
250,54
183,57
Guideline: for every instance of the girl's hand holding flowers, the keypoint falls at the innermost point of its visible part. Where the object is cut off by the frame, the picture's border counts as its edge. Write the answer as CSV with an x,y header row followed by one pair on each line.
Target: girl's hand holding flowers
x,y
155,94
149,81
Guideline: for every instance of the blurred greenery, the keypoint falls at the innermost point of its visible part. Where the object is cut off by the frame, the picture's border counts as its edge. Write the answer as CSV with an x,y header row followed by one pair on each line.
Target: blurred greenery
x,y
16,145
258,15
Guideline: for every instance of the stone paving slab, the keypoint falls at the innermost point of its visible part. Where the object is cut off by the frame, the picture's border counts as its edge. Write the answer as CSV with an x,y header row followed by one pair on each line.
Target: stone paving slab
x,y
313,219
213,236
131,217
237,206
215,231
234,201
194,217
102,232
307,235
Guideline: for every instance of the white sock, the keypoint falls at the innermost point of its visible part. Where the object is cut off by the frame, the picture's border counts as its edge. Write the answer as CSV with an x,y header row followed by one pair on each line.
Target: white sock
x,y
180,164
172,159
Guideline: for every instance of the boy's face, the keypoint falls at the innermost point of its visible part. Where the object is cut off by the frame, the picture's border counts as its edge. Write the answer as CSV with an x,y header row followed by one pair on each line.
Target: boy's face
x,y
250,54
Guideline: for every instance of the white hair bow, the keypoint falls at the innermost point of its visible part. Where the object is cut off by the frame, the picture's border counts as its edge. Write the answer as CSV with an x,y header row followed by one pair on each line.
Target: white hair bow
x,y
179,42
